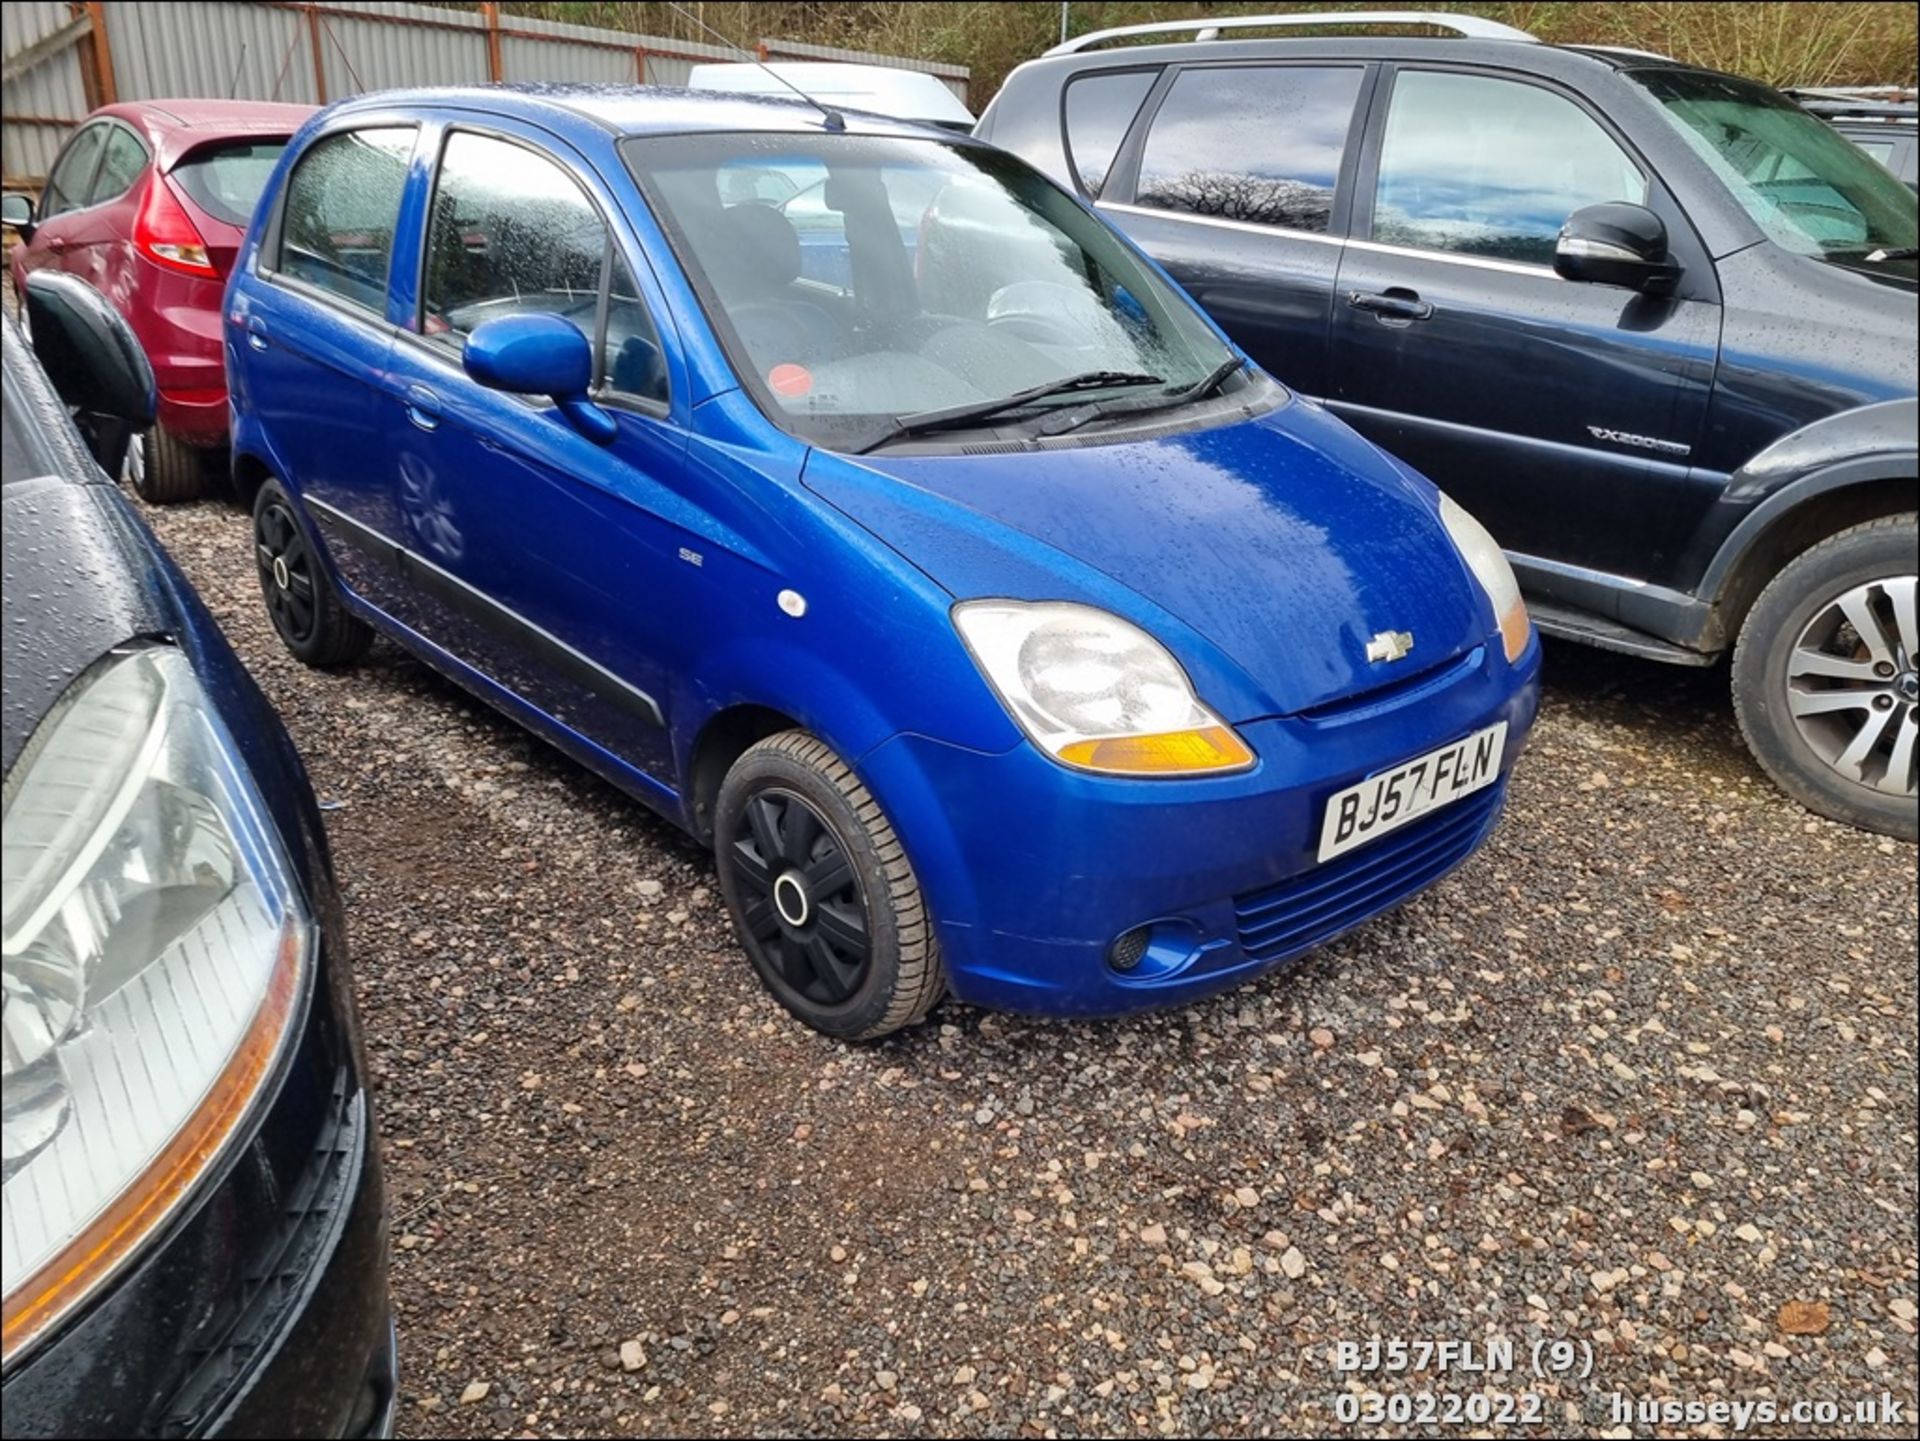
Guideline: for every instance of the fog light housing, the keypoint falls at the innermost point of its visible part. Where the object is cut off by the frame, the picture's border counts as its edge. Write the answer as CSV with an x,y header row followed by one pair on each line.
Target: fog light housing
x,y
1128,949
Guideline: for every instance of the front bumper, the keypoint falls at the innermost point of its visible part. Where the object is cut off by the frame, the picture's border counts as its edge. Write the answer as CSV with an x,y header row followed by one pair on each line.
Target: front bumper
x,y
264,1311
1033,870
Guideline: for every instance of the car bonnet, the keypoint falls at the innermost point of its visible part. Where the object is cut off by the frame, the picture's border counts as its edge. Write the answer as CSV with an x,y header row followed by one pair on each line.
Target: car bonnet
x,y
1287,542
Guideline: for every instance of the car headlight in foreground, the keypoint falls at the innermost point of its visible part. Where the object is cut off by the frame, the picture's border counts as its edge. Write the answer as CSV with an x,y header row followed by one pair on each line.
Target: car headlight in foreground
x,y
1489,565
153,948
1096,692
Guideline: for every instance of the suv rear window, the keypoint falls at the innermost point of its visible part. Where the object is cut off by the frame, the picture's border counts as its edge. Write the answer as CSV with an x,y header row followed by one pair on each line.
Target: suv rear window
x,y
1260,143
226,180
1099,110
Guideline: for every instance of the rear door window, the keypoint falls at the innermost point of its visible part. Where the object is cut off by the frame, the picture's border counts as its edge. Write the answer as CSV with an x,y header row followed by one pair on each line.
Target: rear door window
x,y
343,200
72,176
1484,166
122,159
1253,143
1099,112
226,180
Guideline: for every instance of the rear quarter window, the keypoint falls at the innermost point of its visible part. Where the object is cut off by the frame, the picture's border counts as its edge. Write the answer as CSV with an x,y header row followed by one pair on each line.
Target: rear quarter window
x,y
120,162
343,200
1099,110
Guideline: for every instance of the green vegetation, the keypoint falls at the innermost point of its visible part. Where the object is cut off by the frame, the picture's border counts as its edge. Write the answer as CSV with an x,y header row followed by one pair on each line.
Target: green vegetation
x,y
1832,43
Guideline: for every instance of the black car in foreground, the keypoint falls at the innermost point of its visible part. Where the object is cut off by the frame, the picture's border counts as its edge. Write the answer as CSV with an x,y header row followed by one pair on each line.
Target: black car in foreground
x,y
1653,324
195,1239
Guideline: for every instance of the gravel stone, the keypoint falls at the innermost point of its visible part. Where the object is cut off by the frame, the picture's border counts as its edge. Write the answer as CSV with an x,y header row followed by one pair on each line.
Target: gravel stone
x,y
1674,970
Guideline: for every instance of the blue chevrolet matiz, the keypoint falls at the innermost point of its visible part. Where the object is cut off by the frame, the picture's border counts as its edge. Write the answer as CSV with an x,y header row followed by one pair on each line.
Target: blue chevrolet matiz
x,y
853,496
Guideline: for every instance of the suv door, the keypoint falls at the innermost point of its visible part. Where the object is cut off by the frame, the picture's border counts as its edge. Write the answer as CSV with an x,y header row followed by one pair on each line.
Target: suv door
x,y
306,340
1562,414
542,560
1237,184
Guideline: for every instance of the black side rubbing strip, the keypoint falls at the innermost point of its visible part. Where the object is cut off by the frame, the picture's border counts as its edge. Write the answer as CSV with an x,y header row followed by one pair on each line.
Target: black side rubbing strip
x,y
496,619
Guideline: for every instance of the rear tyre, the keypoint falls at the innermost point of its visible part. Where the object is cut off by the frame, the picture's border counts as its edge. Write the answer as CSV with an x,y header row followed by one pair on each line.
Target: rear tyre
x,y
301,602
165,470
1826,677
822,894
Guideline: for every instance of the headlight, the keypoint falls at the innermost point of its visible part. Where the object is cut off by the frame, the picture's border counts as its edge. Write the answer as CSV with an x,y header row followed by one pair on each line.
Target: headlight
x,y
152,947
1095,692
1489,565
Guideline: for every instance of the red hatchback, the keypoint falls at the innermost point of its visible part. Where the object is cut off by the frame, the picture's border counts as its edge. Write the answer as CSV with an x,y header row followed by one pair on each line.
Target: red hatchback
x,y
148,202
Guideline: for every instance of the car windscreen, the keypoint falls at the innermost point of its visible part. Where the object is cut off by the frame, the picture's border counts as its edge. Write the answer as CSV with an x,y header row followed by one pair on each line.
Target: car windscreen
x,y
857,280
1806,185
226,180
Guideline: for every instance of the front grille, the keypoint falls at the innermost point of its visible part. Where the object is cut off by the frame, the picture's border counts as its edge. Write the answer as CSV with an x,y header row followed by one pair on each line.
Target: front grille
x,y
1326,900
1390,692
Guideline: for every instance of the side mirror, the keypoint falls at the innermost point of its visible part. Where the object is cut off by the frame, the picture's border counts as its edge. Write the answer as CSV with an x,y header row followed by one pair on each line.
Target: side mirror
x,y
94,362
1615,244
541,355
16,211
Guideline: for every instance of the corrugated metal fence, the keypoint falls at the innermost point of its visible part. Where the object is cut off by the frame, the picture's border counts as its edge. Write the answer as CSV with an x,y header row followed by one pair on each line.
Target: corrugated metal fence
x,y
62,60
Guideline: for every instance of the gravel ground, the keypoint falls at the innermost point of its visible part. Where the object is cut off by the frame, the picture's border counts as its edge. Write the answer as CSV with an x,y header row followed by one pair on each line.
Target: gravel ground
x,y
1642,1075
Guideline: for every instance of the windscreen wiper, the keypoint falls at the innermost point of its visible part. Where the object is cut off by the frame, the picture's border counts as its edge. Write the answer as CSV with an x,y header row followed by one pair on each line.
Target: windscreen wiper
x,y
1901,252
955,417
1204,388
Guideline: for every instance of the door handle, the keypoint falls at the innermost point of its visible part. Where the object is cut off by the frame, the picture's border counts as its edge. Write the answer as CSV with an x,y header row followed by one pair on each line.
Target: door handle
x,y
257,333
423,407
1391,305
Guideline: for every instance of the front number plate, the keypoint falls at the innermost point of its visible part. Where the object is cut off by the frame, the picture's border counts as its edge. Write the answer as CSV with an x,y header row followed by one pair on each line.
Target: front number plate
x,y
1413,789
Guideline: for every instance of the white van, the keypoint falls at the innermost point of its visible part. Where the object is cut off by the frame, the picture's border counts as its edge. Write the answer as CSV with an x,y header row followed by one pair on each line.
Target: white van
x,y
901,94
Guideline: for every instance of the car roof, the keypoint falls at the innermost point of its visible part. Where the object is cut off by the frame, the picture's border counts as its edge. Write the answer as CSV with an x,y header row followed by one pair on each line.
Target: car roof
x,y
1554,61
174,127
241,116
640,110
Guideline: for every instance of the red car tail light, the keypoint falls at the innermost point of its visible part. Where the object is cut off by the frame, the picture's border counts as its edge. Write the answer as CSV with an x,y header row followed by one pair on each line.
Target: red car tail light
x,y
166,235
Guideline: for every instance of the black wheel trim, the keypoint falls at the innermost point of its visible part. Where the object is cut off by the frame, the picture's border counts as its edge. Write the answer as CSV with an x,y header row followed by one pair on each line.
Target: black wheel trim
x,y
277,538
825,960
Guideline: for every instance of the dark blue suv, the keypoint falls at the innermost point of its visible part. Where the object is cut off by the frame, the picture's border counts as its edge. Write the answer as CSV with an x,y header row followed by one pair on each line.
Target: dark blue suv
x,y
1653,324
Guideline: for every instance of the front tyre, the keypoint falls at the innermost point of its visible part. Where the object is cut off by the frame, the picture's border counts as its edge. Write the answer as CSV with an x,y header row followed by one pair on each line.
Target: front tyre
x,y
822,895
301,602
1826,677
